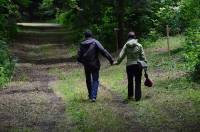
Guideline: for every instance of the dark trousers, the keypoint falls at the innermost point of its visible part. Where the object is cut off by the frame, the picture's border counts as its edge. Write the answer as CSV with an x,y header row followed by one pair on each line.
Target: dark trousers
x,y
92,82
134,71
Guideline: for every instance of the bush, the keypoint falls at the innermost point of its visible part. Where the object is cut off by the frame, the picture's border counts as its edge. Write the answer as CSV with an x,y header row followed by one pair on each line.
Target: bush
x,y
6,64
7,19
192,48
169,14
7,32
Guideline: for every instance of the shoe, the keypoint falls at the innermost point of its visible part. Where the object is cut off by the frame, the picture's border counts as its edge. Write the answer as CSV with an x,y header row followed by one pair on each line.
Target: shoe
x,y
137,100
93,100
125,101
89,97
130,98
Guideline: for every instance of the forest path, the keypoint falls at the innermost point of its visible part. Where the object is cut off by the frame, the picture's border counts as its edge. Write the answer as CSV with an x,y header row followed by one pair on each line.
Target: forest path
x,y
28,102
42,43
111,111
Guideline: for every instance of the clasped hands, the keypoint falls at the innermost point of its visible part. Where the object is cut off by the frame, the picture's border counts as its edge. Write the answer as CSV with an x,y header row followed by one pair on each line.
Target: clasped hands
x,y
115,63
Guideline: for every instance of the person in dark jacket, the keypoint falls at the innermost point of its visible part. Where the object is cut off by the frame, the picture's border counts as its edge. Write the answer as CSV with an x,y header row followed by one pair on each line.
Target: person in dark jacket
x,y
88,56
134,53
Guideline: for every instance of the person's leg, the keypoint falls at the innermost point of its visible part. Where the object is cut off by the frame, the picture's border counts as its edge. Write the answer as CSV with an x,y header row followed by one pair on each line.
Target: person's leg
x,y
138,78
88,82
129,71
95,84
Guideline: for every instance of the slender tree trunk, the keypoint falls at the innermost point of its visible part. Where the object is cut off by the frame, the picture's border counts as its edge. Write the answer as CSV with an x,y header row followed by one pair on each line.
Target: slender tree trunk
x,y
120,18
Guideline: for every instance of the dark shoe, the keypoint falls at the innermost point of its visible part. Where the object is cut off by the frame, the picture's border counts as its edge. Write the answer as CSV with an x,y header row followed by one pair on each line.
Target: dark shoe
x,y
130,98
125,101
89,97
137,100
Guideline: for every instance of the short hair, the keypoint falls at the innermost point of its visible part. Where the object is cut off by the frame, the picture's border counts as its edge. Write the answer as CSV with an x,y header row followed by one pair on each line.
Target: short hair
x,y
131,35
88,33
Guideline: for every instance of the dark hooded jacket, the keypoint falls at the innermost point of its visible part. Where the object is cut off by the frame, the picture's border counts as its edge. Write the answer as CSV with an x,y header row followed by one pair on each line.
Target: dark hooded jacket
x,y
88,54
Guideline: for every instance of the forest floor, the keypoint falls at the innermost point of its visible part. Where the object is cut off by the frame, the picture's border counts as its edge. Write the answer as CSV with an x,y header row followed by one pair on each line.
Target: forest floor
x,y
53,97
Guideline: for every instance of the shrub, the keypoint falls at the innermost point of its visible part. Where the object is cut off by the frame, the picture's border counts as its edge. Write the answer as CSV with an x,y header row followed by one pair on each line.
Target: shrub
x,y
6,64
7,19
192,48
8,13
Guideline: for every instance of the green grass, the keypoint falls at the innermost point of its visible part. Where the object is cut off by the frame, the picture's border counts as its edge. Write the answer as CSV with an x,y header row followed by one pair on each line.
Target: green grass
x,y
85,115
174,101
72,50
173,104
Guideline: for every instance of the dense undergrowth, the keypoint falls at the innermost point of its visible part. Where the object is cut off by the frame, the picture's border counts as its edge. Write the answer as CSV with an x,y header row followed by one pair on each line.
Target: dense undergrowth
x,y
7,32
192,48
6,64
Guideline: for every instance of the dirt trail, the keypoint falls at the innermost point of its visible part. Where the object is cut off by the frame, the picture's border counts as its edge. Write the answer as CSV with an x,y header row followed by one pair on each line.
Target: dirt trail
x,y
121,107
111,100
29,102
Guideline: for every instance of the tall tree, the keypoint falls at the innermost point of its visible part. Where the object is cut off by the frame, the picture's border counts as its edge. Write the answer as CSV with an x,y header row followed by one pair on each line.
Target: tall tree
x,y
120,18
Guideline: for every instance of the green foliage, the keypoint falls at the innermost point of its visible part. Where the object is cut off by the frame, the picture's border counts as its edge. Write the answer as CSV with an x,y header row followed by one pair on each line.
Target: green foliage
x,y
189,12
168,14
150,38
105,30
7,32
147,18
64,18
47,10
22,3
6,64
8,12
47,3
190,15
192,49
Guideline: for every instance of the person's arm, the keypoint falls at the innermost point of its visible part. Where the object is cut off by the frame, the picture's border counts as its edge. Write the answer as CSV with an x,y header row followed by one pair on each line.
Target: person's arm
x,y
122,55
104,52
142,54
79,54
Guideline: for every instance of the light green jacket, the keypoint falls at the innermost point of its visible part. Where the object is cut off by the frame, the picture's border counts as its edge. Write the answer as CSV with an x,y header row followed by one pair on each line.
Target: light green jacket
x,y
133,51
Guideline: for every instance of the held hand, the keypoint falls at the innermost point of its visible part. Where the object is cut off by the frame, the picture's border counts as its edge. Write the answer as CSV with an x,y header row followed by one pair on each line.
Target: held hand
x,y
115,63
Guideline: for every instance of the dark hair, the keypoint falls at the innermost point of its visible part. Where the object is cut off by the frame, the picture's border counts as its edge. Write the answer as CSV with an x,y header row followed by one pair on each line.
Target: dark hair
x,y
131,35
88,33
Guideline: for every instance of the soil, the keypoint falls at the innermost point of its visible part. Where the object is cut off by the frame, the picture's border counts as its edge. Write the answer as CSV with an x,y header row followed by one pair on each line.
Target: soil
x,y
29,102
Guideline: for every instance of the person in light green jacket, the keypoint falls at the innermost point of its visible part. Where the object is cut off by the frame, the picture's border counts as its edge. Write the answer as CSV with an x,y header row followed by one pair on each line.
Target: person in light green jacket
x,y
134,53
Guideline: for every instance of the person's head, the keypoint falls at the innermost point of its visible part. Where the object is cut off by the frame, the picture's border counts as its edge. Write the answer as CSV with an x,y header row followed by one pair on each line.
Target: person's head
x,y
131,35
88,33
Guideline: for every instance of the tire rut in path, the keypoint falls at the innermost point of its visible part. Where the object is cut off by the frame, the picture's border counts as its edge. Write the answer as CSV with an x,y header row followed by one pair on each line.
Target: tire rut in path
x,y
124,110
115,103
29,102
